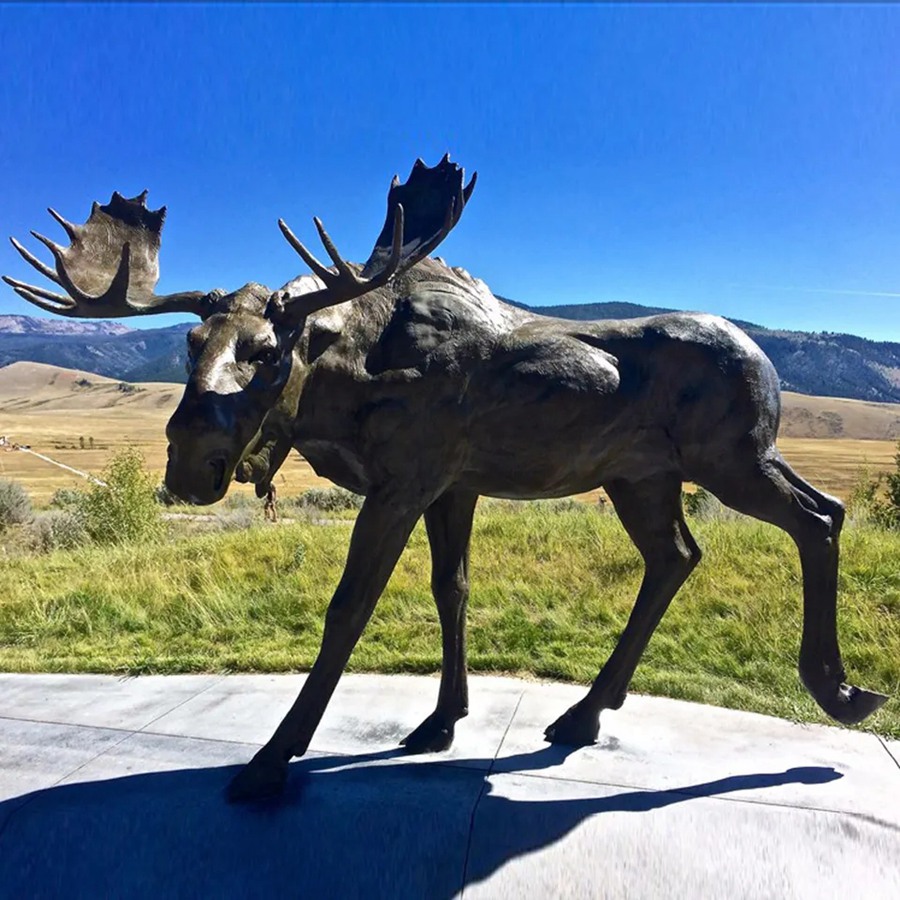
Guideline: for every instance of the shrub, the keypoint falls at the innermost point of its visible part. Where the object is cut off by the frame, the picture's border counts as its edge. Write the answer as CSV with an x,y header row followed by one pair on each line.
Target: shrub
x,y
333,499
123,508
701,504
15,505
67,498
235,520
875,499
58,529
241,501
298,557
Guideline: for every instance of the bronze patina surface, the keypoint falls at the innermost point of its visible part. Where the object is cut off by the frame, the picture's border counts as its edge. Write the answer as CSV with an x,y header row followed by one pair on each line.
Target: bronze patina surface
x,y
408,381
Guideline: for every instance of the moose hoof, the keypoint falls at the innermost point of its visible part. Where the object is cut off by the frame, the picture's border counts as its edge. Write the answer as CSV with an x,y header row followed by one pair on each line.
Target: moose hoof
x,y
852,704
261,779
432,736
844,702
574,728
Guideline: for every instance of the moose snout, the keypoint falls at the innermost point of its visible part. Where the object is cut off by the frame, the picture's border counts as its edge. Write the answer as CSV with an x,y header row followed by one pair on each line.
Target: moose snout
x,y
201,455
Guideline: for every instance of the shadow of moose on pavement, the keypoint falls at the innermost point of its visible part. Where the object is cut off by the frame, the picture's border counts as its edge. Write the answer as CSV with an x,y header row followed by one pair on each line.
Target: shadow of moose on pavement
x,y
369,826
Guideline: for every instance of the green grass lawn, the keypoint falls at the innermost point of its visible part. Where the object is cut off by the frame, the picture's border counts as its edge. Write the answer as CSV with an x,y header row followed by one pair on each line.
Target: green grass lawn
x,y
551,590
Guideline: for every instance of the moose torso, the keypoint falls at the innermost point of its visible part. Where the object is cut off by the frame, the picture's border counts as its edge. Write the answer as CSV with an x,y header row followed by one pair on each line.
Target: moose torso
x,y
435,378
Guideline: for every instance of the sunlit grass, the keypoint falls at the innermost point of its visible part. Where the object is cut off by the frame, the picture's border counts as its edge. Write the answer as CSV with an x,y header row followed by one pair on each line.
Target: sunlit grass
x,y
551,591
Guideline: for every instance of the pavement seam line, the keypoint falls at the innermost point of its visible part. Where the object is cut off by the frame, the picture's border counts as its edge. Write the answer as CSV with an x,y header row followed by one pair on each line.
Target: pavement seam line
x,y
126,735
141,730
481,793
887,750
199,693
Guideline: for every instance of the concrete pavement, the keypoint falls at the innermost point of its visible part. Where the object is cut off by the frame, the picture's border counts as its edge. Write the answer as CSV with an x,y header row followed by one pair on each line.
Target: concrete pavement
x,y
113,788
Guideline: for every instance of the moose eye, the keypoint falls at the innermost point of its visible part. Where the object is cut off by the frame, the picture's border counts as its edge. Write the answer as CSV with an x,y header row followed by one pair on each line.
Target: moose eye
x,y
194,345
266,357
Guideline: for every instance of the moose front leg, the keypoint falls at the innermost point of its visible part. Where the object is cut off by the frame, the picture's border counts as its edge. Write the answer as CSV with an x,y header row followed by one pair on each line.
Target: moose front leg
x,y
449,524
379,536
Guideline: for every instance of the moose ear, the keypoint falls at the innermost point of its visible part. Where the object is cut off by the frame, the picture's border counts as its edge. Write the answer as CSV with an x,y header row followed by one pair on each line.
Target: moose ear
x,y
321,336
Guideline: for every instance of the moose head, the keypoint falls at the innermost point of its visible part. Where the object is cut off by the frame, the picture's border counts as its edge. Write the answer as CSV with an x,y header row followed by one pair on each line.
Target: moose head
x,y
242,360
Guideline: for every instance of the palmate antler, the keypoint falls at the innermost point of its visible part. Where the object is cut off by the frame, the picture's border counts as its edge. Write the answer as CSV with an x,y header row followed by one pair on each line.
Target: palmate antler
x,y
420,214
110,268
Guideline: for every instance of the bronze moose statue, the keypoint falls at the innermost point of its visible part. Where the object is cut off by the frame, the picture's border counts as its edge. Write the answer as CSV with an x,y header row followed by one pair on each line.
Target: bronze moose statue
x,y
408,381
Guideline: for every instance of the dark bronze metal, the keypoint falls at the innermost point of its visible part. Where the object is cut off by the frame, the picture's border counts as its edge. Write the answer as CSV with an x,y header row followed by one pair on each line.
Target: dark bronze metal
x,y
408,381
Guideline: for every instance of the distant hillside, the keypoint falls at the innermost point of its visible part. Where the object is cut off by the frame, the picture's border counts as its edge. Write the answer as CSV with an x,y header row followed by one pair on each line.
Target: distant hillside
x,y
33,387
153,354
823,364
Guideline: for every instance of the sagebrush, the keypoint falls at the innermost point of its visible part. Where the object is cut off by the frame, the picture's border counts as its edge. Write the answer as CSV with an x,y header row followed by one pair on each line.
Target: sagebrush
x,y
333,499
15,504
58,529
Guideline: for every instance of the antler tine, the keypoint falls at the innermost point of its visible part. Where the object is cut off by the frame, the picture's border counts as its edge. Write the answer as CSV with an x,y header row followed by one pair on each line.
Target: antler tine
x,y
70,229
52,246
33,294
62,276
396,242
305,255
393,265
467,190
42,267
330,248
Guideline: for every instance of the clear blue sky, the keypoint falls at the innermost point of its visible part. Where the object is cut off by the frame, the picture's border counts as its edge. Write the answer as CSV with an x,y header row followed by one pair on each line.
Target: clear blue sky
x,y
740,160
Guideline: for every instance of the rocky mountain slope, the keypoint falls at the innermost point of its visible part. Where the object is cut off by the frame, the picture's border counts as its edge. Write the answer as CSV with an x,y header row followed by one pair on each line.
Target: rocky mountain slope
x,y
152,354
30,325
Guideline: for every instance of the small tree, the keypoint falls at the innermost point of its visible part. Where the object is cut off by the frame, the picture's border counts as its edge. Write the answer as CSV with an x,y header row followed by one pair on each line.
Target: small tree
x,y
124,508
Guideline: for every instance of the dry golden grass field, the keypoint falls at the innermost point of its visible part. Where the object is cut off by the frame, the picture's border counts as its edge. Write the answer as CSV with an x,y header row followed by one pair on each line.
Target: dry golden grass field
x,y
52,410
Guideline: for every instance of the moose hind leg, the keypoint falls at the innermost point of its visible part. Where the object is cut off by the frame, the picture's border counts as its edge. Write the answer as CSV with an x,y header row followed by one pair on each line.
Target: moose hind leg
x,y
773,492
651,513
449,525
